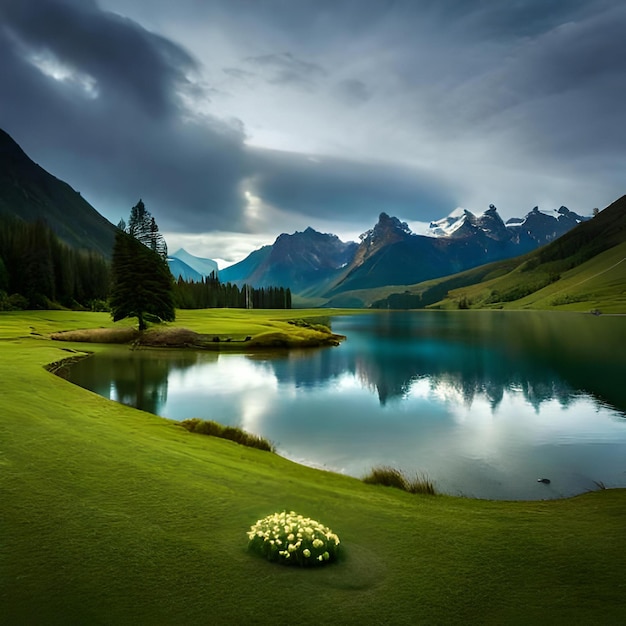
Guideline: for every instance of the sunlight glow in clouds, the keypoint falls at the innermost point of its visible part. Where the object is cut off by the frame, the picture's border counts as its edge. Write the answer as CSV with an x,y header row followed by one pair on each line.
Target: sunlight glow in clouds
x,y
50,66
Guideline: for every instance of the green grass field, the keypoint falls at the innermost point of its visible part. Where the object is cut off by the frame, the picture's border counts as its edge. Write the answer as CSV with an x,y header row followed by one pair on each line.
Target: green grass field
x,y
114,516
599,283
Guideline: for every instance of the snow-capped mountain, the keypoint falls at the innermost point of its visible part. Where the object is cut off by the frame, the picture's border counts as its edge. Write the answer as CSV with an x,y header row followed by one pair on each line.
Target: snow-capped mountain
x,y
537,226
544,227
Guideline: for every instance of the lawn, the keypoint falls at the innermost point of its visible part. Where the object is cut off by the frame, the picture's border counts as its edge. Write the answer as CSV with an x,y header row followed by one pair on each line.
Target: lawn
x,y
115,516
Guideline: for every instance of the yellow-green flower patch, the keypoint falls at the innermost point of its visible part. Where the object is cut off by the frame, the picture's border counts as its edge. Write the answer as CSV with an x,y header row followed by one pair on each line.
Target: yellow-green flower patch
x,y
293,539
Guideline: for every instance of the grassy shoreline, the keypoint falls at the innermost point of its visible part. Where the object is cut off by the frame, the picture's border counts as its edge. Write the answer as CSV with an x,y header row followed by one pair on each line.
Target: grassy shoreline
x,y
112,516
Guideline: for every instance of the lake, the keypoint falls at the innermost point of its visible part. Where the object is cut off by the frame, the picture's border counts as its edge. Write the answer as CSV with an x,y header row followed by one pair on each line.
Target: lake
x,y
483,402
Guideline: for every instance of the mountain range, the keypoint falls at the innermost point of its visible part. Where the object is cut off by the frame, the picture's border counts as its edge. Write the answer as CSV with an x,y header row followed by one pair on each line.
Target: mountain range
x,y
322,267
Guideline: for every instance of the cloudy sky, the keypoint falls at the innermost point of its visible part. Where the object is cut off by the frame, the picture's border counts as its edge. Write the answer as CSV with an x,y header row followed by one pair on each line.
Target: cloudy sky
x,y
236,120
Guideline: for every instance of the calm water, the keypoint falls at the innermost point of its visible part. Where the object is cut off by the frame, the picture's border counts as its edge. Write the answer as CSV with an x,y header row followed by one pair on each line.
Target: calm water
x,y
485,403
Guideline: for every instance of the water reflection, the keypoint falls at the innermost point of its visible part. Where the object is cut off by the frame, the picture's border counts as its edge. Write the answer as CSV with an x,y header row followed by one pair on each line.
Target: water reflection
x,y
484,402
135,378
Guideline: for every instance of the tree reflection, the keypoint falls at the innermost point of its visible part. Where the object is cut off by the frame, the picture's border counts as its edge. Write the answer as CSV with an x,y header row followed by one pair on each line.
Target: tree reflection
x,y
138,378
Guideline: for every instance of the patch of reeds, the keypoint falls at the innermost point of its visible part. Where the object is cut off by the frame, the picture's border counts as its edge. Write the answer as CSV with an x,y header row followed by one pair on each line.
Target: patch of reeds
x,y
392,477
214,429
98,335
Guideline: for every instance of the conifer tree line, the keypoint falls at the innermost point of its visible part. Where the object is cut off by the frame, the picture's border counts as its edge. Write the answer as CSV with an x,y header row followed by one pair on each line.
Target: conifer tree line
x,y
38,271
210,293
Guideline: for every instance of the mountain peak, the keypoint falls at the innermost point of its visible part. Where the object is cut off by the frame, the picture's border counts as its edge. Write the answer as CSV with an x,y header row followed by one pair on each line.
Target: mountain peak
x,y
449,225
462,223
203,267
386,230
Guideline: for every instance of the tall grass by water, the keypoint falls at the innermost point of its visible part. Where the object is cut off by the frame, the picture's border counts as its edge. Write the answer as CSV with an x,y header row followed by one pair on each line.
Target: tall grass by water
x,y
209,427
392,477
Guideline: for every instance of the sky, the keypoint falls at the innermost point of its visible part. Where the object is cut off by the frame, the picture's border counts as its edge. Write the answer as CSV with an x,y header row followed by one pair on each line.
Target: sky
x,y
238,120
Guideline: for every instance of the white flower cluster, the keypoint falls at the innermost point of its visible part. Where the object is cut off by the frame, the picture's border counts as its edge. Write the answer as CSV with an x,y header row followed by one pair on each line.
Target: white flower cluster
x,y
292,538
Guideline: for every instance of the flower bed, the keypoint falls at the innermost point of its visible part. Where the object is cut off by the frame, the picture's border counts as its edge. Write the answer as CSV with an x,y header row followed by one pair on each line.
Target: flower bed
x,y
292,539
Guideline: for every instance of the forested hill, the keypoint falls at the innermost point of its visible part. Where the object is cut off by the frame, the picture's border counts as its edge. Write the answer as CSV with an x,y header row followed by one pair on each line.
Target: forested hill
x,y
29,192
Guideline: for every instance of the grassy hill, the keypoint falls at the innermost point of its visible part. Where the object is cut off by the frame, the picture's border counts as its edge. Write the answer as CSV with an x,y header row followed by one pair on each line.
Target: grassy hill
x,y
584,269
115,516
29,192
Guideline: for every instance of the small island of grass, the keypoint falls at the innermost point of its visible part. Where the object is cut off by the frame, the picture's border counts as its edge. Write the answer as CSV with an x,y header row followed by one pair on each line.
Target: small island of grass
x,y
217,329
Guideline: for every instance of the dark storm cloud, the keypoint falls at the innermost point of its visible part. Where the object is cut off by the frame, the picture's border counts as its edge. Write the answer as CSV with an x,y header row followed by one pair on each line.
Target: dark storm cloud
x,y
579,71
336,189
132,139
123,57
129,135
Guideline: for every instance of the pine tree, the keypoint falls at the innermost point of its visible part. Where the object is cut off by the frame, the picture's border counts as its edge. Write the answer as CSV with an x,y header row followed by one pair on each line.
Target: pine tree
x,y
143,226
142,282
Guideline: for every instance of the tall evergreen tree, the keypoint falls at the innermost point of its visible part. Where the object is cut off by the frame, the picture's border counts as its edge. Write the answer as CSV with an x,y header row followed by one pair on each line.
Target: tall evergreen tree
x,y
142,281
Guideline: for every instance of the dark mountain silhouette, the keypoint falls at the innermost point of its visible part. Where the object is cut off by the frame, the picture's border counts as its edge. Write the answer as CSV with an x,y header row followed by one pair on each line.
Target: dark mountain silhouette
x,y
30,193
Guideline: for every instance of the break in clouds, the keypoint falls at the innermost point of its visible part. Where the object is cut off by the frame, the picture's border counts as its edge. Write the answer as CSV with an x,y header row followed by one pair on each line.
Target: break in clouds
x,y
263,117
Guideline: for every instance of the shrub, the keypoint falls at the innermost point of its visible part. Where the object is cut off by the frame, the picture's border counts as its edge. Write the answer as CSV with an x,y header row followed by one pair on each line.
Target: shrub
x,y
569,299
386,476
99,305
421,484
17,302
392,477
292,539
232,433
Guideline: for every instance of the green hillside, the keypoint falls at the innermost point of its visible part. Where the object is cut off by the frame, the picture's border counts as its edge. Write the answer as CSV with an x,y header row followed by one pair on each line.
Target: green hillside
x,y
114,516
585,269
29,192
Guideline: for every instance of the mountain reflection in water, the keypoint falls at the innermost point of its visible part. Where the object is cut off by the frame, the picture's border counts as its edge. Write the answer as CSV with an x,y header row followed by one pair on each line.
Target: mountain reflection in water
x,y
485,402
